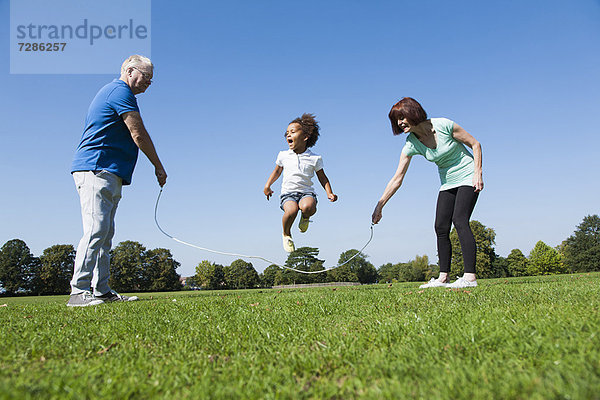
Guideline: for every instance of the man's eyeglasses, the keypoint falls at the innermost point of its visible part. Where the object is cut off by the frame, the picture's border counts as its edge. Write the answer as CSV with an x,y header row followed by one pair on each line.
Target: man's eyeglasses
x,y
146,76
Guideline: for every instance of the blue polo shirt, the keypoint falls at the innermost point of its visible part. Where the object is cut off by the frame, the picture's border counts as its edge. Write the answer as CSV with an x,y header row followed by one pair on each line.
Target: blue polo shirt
x,y
106,143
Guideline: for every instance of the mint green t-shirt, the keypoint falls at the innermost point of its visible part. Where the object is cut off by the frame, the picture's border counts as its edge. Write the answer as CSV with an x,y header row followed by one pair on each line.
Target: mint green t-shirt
x,y
455,163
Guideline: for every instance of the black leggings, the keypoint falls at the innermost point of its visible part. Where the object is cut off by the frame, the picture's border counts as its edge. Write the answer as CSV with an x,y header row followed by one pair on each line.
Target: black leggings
x,y
455,206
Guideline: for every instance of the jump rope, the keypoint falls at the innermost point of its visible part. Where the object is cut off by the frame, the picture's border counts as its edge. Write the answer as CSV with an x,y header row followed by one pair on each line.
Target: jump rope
x,y
248,256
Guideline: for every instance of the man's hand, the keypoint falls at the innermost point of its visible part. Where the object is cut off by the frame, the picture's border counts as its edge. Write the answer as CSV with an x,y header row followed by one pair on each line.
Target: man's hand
x,y
161,176
377,214
332,197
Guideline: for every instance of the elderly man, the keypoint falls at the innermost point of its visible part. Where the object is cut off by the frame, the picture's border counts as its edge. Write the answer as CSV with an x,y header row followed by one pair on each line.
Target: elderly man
x,y
103,163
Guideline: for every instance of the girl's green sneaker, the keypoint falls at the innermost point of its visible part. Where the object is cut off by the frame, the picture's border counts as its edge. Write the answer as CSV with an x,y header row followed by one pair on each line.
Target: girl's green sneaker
x,y
303,224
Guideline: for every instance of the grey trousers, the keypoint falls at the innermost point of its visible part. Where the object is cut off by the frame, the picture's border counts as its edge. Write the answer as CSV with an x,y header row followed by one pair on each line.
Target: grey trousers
x,y
99,195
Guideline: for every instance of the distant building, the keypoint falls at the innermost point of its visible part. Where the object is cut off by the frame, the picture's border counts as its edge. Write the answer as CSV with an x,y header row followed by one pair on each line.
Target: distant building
x,y
187,282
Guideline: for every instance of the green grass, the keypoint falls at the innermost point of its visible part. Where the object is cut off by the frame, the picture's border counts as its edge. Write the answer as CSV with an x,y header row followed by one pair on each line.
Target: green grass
x,y
517,338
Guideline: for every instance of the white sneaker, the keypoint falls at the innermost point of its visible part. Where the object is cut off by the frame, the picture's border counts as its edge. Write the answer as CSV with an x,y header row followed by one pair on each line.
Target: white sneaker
x,y
462,283
433,283
84,299
114,296
288,244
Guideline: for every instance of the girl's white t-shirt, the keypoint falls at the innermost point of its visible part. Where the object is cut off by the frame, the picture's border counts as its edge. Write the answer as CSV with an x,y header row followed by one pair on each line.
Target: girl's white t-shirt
x,y
298,170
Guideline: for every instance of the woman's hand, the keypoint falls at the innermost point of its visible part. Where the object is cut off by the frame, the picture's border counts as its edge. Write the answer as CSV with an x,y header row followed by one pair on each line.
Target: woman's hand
x,y
161,176
477,182
464,137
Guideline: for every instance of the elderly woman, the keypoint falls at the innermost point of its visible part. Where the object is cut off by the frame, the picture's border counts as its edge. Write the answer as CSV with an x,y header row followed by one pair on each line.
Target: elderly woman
x,y
441,141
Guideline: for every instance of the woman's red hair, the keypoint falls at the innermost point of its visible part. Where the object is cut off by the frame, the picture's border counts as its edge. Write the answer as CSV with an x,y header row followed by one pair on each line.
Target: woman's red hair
x,y
407,108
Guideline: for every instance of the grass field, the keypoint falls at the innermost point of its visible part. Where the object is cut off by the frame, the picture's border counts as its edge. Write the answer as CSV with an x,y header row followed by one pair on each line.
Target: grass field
x,y
515,338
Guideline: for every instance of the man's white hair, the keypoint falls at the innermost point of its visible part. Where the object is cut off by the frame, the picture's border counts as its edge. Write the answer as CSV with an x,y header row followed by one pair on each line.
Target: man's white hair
x,y
135,61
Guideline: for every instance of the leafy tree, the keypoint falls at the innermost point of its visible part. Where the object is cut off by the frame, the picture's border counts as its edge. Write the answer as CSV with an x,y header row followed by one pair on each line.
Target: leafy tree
x,y
485,240
415,270
582,249
358,269
241,275
320,277
433,271
56,269
210,275
18,267
133,268
302,259
282,278
160,271
500,267
342,274
517,263
544,260
267,278
127,266
405,272
420,265
387,273
33,285
365,270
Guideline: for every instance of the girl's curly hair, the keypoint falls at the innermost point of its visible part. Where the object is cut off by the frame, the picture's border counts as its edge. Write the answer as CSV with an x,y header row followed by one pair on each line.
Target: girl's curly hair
x,y
310,127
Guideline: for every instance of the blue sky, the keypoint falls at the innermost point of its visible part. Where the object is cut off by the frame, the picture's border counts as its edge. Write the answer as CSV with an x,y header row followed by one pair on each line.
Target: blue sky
x,y
522,77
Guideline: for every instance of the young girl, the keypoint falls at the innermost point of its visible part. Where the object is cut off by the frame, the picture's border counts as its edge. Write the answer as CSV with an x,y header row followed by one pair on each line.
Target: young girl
x,y
299,165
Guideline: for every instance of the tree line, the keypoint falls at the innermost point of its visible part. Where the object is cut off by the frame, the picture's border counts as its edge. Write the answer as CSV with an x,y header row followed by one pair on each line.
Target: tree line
x,y
241,274
578,253
134,268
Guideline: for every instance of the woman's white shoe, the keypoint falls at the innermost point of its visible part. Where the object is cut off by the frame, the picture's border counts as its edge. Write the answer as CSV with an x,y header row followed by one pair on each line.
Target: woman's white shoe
x,y
433,283
462,283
